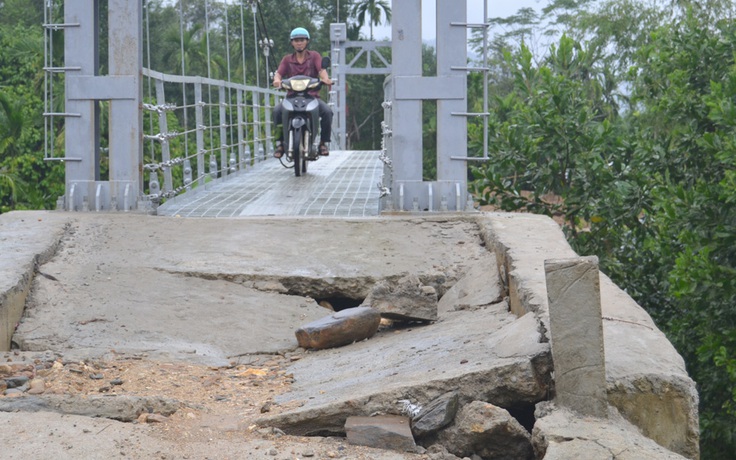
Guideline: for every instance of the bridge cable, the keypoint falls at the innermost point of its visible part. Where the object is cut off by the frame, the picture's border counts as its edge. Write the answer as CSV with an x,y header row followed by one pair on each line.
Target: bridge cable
x,y
183,74
267,42
209,71
148,59
229,80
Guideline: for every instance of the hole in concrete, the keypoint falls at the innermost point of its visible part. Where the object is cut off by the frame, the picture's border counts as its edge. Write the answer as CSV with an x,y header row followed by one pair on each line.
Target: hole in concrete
x,y
524,414
339,303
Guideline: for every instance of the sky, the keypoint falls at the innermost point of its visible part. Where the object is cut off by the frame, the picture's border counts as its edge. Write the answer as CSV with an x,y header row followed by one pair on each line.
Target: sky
x,y
495,8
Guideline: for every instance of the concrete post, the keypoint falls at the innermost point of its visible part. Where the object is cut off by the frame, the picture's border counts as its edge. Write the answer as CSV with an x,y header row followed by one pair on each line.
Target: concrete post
x,y
576,330
338,37
406,66
126,117
81,133
452,130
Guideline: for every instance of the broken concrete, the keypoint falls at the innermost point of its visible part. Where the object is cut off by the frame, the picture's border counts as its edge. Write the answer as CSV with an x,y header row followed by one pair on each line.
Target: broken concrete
x,y
488,431
644,373
406,299
123,408
216,291
24,248
480,287
384,431
559,434
487,355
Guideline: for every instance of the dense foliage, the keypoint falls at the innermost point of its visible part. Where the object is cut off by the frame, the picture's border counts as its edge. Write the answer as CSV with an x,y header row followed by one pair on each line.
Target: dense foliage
x,y
624,130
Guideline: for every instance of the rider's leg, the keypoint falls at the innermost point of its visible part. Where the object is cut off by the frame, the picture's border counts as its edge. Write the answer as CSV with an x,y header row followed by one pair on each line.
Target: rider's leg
x,y
325,124
276,117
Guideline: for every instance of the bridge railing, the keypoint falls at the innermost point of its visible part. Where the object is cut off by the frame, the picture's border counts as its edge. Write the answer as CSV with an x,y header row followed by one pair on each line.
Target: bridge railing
x,y
199,131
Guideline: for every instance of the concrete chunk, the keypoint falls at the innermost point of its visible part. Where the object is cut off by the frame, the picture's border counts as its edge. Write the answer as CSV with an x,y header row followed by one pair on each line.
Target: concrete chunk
x,y
407,299
342,328
384,432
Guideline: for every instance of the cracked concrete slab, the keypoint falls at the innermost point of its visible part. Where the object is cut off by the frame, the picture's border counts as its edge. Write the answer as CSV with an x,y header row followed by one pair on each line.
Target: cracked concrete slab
x,y
215,290
209,290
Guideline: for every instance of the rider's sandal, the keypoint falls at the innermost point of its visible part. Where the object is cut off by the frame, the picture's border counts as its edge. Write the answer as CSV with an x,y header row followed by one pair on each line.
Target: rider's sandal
x,y
279,152
323,150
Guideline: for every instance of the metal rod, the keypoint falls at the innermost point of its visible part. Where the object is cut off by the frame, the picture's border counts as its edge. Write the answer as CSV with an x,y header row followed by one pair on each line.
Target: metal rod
x,y
485,79
62,159
470,158
61,26
479,69
470,114
468,24
61,114
61,69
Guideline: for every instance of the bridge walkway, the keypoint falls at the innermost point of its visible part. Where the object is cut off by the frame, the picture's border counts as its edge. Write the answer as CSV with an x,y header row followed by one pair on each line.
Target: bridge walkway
x,y
343,184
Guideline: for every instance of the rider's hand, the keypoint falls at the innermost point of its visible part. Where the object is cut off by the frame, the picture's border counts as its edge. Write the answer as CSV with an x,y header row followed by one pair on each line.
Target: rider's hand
x,y
327,81
277,83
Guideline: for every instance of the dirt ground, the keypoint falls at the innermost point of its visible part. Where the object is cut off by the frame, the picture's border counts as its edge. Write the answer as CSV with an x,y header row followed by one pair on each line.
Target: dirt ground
x,y
216,419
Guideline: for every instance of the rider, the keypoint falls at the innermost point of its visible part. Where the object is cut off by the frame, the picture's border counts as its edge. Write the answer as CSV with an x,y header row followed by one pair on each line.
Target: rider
x,y
303,62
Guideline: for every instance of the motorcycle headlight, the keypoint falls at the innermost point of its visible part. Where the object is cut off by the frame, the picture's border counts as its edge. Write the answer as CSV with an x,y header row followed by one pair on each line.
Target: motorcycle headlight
x,y
299,85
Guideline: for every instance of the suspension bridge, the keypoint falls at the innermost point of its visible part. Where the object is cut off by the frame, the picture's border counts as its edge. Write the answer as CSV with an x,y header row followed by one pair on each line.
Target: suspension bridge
x,y
197,145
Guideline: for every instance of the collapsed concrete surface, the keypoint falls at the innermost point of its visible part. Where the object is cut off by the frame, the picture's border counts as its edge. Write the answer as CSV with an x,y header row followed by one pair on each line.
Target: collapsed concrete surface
x,y
212,291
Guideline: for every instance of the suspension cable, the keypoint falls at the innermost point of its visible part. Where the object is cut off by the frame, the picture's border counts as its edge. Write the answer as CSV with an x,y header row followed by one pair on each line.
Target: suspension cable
x,y
209,63
229,89
148,59
242,37
264,33
183,74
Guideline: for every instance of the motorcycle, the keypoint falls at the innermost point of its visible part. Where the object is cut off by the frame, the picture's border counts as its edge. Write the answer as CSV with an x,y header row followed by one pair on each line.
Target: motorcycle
x,y
301,121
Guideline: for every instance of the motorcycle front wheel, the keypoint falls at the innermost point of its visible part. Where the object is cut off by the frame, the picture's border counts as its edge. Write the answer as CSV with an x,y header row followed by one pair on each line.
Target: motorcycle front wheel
x,y
304,149
298,155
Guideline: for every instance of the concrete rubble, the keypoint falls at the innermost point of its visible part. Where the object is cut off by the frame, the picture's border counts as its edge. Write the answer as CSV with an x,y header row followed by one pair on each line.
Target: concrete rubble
x,y
489,347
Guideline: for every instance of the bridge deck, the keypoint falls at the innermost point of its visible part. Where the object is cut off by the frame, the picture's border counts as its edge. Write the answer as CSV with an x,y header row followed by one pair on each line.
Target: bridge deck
x,y
343,184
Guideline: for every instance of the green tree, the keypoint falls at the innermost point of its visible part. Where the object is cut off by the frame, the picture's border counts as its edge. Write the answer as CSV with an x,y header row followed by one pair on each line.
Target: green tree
x,y
551,138
650,183
372,11
686,85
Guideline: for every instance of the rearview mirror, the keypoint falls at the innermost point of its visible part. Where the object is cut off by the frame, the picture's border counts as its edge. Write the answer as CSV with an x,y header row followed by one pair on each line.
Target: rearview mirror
x,y
326,62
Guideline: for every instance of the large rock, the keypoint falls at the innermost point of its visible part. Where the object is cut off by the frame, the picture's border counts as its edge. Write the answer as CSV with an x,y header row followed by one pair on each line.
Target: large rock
x,y
383,432
405,299
342,328
488,431
436,415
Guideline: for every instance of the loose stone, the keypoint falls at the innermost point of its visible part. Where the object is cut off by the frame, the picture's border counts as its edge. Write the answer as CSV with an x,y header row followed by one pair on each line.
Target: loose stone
x,y
38,386
16,381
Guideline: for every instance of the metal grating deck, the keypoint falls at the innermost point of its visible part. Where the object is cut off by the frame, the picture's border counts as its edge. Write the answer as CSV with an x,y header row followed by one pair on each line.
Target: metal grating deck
x,y
343,184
